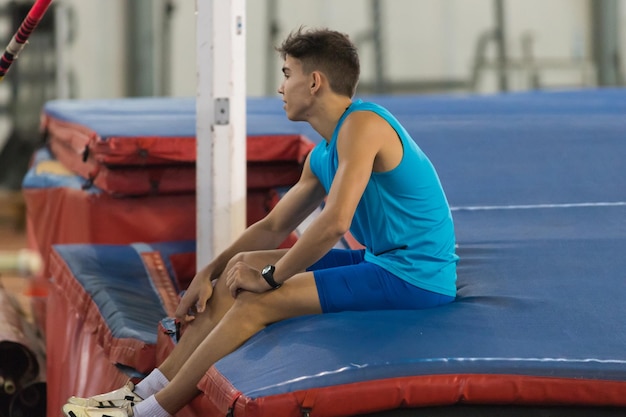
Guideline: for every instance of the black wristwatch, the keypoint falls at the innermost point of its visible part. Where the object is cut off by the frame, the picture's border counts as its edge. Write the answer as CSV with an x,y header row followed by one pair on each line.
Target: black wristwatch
x,y
268,275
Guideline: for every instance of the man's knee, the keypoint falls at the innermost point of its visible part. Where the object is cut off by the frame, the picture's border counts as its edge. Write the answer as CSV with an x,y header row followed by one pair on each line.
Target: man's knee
x,y
252,307
244,257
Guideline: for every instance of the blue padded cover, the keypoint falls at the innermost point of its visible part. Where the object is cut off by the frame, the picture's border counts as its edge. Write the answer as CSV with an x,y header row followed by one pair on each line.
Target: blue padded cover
x,y
154,116
116,279
536,184
39,177
170,116
540,295
167,117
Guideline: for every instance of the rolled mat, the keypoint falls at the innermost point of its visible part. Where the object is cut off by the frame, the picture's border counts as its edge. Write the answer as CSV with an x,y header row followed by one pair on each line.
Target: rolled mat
x,y
29,401
19,365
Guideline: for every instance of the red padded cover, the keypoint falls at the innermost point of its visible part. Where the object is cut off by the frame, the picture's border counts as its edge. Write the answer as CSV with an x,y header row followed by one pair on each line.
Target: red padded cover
x,y
147,150
131,180
219,396
129,352
127,180
120,150
65,215
76,335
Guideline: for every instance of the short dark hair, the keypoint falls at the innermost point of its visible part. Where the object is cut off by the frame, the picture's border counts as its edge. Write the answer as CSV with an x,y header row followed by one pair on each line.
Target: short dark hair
x,y
328,51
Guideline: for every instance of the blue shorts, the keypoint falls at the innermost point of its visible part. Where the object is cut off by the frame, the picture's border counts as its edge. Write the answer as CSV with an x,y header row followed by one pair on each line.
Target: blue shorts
x,y
346,282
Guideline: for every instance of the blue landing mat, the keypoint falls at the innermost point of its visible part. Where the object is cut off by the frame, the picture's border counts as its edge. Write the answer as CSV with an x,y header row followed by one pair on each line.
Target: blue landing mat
x,y
116,279
536,184
528,304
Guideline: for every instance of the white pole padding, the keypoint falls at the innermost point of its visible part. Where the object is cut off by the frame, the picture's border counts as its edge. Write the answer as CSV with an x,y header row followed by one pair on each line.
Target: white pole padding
x,y
220,125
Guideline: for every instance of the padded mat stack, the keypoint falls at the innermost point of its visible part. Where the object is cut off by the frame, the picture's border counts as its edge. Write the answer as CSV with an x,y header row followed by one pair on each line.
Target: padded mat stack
x,y
138,147
142,146
123,170
106,301
114,172
61,210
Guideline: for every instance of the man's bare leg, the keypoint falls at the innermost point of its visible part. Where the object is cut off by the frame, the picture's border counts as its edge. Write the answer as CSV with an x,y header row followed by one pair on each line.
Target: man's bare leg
x,y
249,314
219,303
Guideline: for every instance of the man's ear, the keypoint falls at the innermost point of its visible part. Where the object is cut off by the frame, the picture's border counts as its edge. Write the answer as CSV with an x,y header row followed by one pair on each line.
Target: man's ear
x,y
316,81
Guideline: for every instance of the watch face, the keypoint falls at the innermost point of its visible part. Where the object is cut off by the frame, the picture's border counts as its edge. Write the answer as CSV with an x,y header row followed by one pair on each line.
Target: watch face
x,y
266,270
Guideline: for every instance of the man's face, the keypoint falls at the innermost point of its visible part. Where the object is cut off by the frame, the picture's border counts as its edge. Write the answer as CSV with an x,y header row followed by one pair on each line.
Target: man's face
x,y
295,89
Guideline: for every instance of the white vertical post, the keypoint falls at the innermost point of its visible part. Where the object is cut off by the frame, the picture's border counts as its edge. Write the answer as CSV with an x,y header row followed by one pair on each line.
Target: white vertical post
x,y
220,125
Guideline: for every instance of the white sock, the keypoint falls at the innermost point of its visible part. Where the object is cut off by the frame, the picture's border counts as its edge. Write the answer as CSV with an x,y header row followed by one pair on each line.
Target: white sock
x,y
151,384
149,407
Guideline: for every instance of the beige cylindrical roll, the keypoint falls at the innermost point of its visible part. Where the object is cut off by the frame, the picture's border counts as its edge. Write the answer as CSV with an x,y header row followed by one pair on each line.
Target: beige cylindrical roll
x,y
23,262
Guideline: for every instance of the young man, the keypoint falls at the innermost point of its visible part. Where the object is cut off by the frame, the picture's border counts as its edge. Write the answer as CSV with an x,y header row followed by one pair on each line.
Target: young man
x,y
375,181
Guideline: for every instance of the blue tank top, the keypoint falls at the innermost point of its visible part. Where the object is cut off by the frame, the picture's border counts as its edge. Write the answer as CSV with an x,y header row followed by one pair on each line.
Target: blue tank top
x,y
403,218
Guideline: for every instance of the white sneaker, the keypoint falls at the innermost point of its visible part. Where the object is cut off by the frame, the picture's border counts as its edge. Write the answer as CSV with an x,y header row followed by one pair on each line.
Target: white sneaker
x,y
73,410
118,398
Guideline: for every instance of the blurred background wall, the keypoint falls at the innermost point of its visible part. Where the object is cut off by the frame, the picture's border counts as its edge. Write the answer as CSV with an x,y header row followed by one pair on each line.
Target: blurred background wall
x,y
121,48
412,45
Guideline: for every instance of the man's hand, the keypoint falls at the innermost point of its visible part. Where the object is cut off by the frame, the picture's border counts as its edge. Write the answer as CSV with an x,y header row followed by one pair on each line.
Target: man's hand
x,y
195,298
242,277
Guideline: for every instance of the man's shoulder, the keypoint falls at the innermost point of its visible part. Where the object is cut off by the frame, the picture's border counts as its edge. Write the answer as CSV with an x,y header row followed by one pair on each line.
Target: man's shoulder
x,y
368,112
366,104
365,107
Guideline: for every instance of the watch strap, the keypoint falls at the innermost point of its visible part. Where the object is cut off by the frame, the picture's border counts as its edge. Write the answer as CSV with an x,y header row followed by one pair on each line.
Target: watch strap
x,y
268,276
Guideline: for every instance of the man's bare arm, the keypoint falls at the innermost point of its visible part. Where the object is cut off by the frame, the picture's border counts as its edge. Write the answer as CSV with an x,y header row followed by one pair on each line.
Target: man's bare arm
x,y
361,138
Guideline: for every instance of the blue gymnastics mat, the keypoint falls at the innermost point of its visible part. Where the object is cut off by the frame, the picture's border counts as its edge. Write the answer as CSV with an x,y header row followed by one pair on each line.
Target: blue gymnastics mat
x,y
536,186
